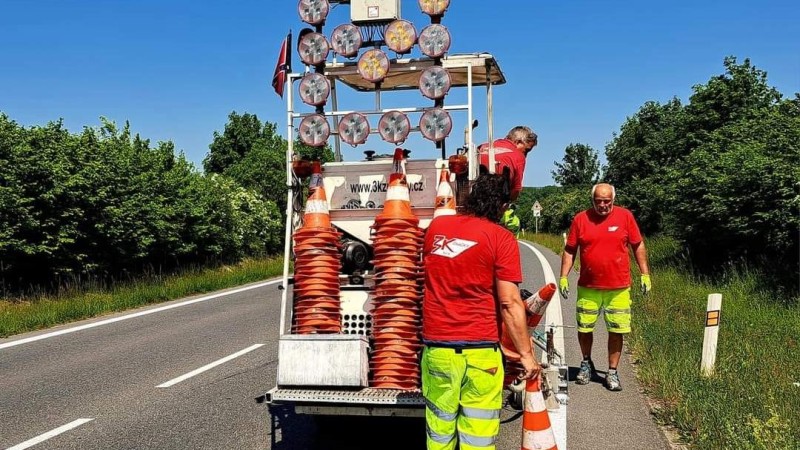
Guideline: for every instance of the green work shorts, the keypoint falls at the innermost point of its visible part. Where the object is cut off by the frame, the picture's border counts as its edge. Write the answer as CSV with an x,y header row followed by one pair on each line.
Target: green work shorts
x,y
615,304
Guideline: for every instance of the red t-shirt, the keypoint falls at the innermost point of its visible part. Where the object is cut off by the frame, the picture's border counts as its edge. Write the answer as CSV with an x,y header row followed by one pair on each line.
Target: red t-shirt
x,y
506,155
603,243
463,255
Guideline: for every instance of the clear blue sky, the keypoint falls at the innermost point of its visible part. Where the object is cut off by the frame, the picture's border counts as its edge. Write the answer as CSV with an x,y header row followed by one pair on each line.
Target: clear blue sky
x,y
576,69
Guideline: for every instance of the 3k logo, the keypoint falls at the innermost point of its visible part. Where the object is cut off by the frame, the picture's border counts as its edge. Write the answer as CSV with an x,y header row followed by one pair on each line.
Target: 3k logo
x,y
450,248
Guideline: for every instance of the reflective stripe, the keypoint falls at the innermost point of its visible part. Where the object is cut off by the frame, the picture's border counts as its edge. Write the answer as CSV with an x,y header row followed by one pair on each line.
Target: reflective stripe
x,y
443,415
538,439
586,324
397,193
436,373
476,441
440,438
594,312
614,325
316,206
478,413
618,311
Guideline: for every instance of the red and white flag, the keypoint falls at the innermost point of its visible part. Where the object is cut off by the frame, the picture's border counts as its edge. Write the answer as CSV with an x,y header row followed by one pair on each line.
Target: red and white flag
x,y
283,66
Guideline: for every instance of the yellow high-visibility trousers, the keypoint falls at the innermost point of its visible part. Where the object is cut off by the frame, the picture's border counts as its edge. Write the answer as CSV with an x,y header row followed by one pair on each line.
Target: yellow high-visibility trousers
x,y
463,390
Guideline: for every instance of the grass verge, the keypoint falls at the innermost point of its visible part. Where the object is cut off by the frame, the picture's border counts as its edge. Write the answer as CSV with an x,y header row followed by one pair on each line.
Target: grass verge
x,y
24,315
753,399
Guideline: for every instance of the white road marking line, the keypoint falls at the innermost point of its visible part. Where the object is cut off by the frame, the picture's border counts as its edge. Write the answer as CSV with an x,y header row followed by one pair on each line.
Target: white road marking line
x,y
131,316
208,366
554,316
50,434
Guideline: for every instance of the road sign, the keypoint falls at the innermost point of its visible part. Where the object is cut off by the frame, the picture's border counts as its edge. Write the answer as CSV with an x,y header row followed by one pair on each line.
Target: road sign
x,y
537,209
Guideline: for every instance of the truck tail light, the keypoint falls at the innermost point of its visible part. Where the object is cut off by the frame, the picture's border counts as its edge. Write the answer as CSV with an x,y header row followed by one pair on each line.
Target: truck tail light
x,y
434,82
314,89
400,36
435,124
313,48
346,40
394,127
434,40
373,65
313,12
354,128
314,130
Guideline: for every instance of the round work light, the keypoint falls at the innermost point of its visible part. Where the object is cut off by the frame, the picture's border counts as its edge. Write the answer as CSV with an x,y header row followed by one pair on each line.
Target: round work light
x,y
434,7
435,124
346,40
313,12
400,36
434,40
434,82
314,130
373,65
313,49
354,128
394,127
314,89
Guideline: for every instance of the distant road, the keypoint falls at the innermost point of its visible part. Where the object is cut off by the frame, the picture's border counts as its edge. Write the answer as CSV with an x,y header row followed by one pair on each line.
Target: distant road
x,y
186,374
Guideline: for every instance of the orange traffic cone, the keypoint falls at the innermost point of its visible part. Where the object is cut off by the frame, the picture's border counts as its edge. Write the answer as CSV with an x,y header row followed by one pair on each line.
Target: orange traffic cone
x,y
397,295
536,431
316,307
536,304
445,200
398,201
317,214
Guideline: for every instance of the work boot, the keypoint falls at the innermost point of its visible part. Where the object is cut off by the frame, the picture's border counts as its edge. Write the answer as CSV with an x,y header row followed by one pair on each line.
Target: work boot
x,y
585,372
612,381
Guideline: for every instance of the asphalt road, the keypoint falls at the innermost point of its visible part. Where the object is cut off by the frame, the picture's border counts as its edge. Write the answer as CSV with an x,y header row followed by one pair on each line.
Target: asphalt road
x,y
98,387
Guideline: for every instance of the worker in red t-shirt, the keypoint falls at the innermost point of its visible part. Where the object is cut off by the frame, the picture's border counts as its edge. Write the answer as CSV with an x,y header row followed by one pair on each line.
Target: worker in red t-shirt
x,y
603,234
510,153
472,269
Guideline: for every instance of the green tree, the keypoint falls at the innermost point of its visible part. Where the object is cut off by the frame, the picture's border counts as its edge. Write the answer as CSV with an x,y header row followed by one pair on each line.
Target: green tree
x,y
254,155
580,166
719,173
240,135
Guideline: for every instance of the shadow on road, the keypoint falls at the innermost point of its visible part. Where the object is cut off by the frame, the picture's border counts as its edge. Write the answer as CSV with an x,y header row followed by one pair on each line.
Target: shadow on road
x,y
291,431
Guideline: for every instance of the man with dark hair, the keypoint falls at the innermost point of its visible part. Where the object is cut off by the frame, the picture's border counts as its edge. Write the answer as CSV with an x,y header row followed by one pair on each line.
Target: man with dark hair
x,y
509,155
472,269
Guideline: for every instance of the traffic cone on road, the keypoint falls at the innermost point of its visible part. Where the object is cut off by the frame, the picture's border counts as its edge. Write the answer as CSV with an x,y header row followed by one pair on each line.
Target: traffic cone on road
x,y
537,433
445,200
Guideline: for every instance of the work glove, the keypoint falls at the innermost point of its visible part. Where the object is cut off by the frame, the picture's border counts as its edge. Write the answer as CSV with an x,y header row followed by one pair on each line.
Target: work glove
x,y
647,286
563,286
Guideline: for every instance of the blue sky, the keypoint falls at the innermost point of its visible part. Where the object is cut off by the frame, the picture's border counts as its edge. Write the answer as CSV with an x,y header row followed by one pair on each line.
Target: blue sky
x,y
576,69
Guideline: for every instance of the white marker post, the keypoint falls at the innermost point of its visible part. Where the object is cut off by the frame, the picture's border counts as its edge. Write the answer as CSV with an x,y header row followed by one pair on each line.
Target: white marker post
x,y
537,212
713,310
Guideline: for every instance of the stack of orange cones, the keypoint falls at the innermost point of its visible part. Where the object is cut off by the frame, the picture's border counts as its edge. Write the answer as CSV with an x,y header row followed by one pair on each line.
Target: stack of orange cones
x,y
445,199
536,430
317,264
397,296
535,307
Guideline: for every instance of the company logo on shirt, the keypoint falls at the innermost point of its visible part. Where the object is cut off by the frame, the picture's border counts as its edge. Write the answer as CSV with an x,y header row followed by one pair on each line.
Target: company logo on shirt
x,y
450,248
612,229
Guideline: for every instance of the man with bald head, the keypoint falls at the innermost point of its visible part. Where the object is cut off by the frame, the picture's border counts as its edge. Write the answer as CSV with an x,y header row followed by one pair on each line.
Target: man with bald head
x,y
603,234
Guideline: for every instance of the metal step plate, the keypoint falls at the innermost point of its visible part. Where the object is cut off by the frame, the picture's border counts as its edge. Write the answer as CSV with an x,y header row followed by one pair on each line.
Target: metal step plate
x,y
366,396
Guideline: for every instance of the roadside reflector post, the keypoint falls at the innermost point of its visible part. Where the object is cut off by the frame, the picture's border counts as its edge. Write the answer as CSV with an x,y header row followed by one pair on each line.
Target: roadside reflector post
x,y
713,316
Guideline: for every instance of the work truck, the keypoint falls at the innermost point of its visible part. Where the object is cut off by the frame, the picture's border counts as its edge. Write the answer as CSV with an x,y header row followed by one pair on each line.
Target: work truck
x,y
326,361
